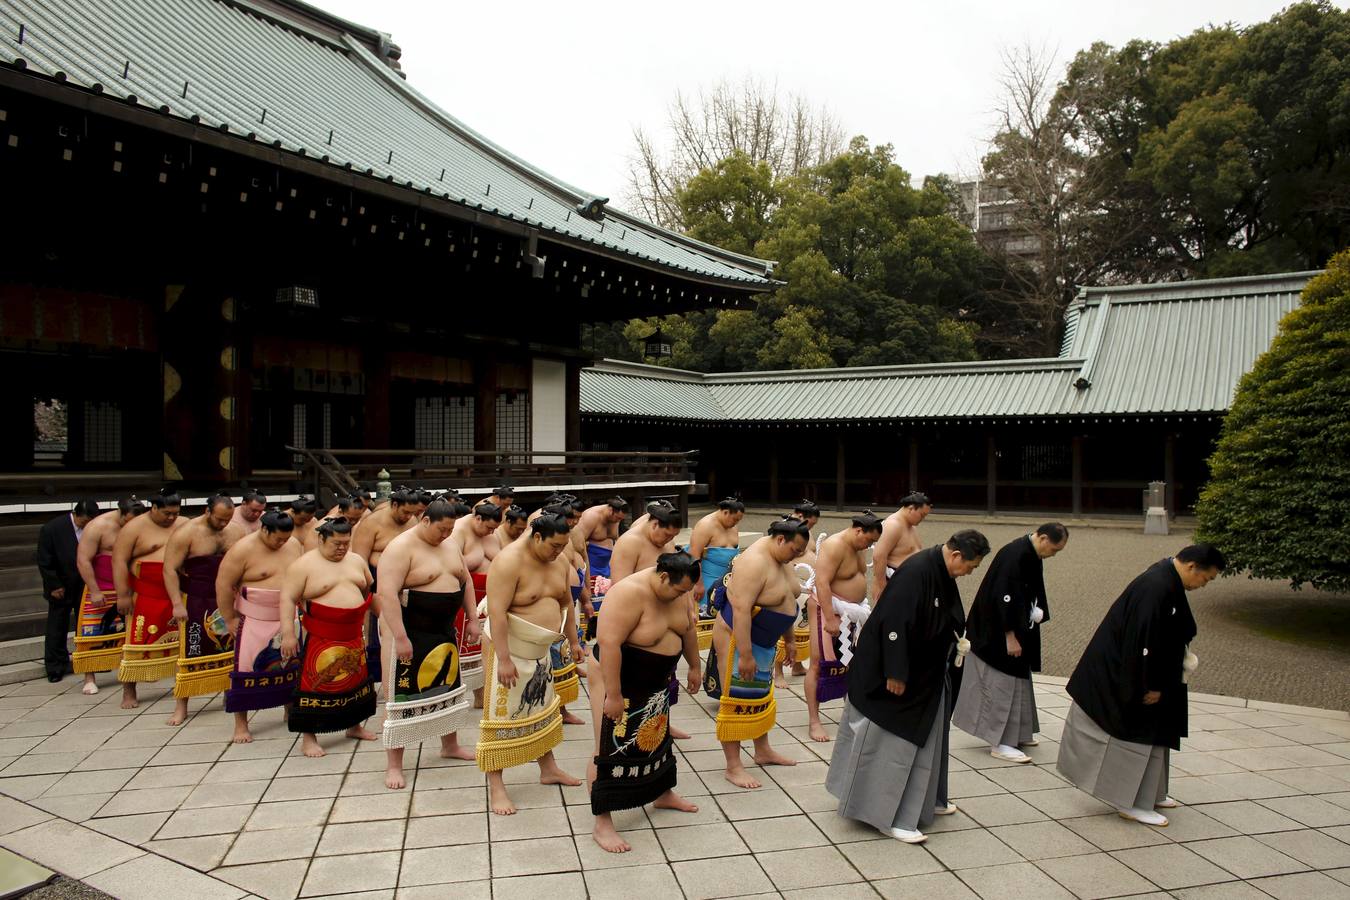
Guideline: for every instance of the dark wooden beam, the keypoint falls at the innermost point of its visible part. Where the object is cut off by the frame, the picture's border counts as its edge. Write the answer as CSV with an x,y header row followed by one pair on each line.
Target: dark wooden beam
x,y
991,474
1170,473
839,473
1077,475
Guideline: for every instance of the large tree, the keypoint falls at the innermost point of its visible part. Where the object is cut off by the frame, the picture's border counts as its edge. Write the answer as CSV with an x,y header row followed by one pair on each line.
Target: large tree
x,y
877,271
1223,152
1278,499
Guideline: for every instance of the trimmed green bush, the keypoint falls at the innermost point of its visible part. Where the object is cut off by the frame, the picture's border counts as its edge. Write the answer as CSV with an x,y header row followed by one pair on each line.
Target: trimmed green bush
x,y
1278,499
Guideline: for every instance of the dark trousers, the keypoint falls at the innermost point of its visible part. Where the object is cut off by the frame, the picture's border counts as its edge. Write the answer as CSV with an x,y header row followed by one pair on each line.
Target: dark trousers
x,y
56,658
953,688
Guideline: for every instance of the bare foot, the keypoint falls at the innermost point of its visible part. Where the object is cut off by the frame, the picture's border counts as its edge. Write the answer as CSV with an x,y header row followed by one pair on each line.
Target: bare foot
x,y
780,680
241,734
129,699
672,800
393,778
571,718
497,796
90,687
741,778
818,732
478,699
678,734
309,745
361,734
179,713
798,669
555,775
607,837
770,757
450,749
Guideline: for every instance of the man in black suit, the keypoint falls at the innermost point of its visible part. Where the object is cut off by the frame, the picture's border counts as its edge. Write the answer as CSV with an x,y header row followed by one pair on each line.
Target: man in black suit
x,y
61,581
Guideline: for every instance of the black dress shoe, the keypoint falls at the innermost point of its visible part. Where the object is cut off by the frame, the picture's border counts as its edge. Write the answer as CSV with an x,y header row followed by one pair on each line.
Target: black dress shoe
x,y
54,677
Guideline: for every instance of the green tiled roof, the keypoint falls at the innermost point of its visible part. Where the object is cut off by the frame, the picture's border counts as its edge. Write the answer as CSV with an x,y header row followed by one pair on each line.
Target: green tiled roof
x,y
284,74
1164,349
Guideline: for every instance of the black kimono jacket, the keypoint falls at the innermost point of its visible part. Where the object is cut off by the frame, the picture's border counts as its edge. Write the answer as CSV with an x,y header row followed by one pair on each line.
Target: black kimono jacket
x,y
1139,647
908,637
1014,583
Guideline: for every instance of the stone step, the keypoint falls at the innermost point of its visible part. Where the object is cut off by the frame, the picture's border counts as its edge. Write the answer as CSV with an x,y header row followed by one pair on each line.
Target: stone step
x,y
22,625
24,600
26,578
22,650
18,554
24,671
25,533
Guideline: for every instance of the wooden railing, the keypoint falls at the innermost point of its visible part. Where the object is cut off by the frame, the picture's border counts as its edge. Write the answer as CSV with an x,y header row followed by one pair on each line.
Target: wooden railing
x,y
340,470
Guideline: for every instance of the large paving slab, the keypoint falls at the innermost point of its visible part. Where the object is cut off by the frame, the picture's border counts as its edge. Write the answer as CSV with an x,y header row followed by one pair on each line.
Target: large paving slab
x,y
138,809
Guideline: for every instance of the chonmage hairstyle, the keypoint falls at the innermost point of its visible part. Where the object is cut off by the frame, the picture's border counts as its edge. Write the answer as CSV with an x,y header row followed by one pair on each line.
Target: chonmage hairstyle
x,y
678,566
969,543
789,528
165,498
807,510
548,525
867,522
666,517
130,505
516,513
488,510
915,498
1206,556
276,520
332,526
731,504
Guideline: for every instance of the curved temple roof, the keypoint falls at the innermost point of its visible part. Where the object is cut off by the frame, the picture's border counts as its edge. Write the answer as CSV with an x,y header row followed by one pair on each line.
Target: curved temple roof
x,y
1135,350
285,74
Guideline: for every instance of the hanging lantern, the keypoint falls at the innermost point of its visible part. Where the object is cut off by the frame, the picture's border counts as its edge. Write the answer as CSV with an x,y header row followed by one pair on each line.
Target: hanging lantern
x,y
656,345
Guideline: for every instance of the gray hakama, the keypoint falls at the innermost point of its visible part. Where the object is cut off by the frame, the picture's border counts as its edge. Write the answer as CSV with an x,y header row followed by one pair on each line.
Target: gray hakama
x,y
994,706
1122,773
883,779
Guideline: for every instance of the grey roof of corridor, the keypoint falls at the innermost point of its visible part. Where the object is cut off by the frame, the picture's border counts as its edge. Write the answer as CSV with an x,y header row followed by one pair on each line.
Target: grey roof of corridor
x,y
327,95
1160,349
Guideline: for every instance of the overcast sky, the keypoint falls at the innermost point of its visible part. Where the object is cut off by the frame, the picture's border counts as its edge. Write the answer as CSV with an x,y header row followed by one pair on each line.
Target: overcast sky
x,y
564,84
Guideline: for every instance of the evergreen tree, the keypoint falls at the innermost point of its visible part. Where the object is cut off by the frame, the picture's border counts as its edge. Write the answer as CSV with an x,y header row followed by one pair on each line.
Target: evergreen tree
x,y
1278,500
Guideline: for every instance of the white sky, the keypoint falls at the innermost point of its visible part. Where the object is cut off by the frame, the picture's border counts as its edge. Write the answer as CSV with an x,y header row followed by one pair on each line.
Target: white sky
x,y
563,84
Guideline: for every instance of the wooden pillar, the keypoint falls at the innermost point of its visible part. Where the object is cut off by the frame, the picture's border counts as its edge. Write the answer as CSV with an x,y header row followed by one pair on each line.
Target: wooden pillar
x,y
484,405
207,384
839,472
378,433
1170,473
991,474
573,400
773,471
913,462
1078,475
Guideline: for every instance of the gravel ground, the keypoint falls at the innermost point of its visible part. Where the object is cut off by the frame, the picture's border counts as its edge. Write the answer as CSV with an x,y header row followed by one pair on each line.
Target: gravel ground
x,y
64,888
1257,639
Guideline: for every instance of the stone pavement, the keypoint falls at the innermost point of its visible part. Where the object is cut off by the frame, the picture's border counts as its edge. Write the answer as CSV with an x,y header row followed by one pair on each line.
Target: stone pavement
x,y
136,809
